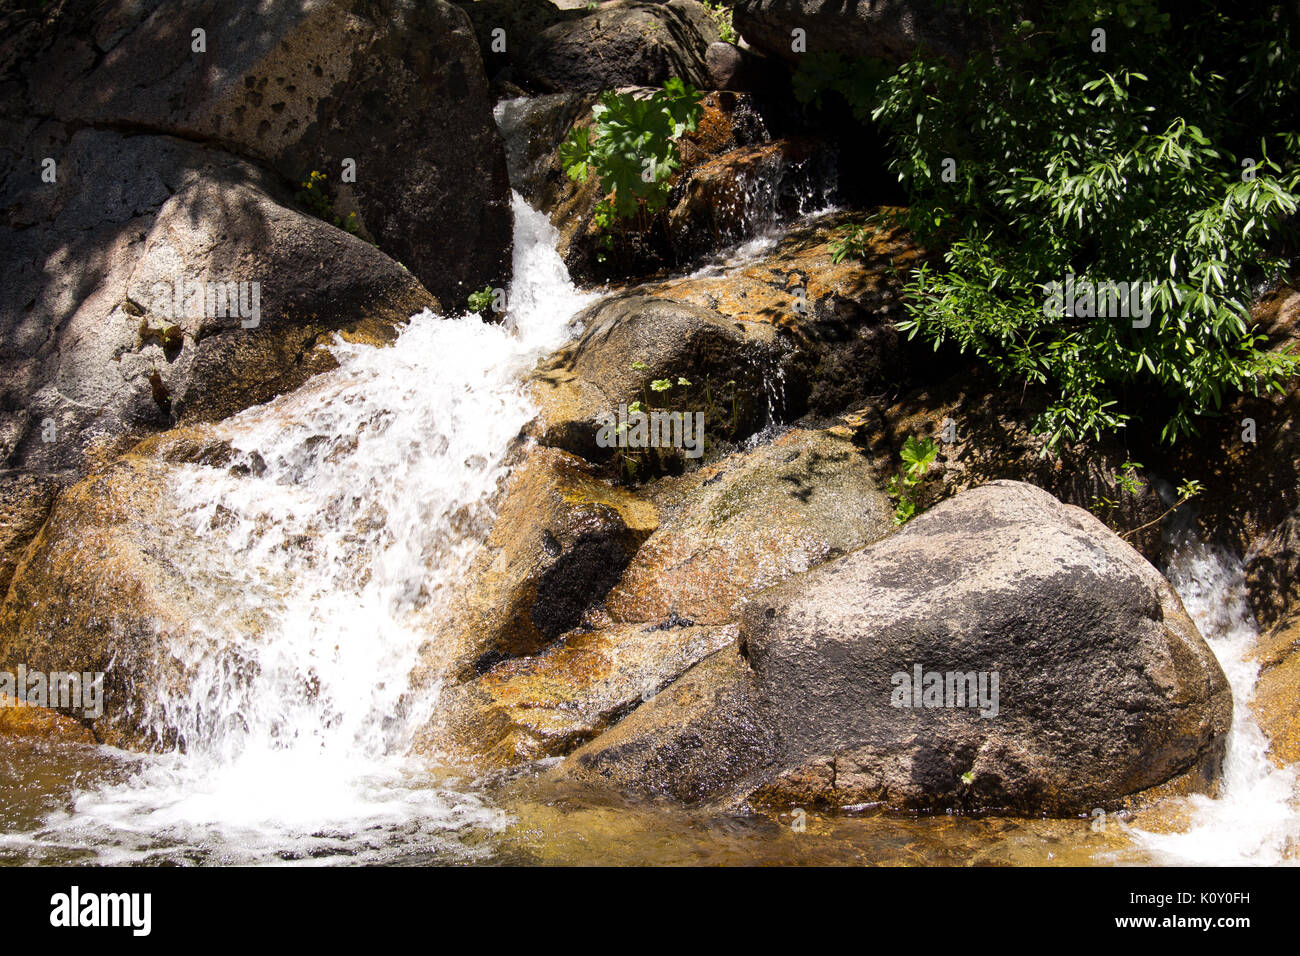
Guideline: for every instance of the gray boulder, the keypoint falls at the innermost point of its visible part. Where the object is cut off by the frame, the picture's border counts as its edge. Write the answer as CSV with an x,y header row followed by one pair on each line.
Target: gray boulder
x,y
396,85
93,346
1103,686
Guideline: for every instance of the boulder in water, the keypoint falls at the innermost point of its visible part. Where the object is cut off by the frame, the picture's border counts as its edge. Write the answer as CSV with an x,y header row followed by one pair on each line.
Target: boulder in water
x,y
1003,651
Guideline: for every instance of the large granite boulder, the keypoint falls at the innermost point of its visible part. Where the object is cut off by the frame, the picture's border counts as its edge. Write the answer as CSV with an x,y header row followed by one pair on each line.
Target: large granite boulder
x,y
1003,651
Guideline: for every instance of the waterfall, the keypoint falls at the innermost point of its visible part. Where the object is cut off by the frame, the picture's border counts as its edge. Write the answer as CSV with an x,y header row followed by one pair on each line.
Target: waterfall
x,y
1256,814
323,567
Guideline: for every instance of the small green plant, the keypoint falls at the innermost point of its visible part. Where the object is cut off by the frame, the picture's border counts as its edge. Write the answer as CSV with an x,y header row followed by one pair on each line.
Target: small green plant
x,y
1188,490
481,302
313,196
632,148
1128,481
629,462
905,486
721,17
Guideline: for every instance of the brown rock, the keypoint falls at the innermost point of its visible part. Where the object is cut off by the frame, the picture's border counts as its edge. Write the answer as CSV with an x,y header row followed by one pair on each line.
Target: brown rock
x,y
1277,695
749,522
25,720
561,539
548,704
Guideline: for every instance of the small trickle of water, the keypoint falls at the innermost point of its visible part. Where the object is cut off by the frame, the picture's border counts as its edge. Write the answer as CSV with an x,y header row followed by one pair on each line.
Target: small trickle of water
x,y
1256,816
317,576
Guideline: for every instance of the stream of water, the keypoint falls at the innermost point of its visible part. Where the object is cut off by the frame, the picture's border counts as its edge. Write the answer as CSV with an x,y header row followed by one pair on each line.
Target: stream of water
x,y
326,567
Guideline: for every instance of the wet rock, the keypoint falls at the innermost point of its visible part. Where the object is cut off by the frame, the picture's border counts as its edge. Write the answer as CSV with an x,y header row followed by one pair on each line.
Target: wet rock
x,y
533,128
24,720
25,501
550,703
398,88
1277,695
561,539
749,522
1105,688
100,590
704,736
755,180
721,201
733,372
840,315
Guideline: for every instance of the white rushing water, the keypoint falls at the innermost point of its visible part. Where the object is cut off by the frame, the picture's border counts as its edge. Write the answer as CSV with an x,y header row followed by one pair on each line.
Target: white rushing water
x,y
1256,814
319,576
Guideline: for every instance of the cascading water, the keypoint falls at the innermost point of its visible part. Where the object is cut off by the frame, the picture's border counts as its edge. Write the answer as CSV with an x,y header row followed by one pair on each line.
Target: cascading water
x,y
323,569
325,566
1255,817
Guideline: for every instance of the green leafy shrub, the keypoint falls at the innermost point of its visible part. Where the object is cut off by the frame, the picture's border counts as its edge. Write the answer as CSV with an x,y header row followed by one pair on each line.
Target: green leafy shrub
x,y
905,487
481,301
1167,159
632,148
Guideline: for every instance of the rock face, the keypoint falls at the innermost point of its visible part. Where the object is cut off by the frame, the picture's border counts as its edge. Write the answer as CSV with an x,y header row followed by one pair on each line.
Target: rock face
x,y
633,341
1104,687
24,720
548,704
620,44
99,588
1277,695
889,30
96,341
560,541
750,521
297,88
